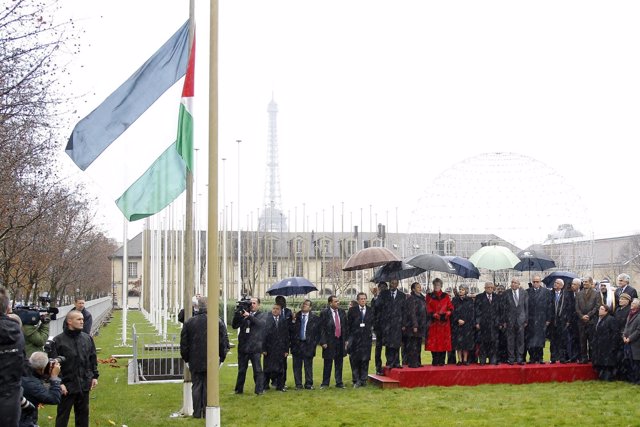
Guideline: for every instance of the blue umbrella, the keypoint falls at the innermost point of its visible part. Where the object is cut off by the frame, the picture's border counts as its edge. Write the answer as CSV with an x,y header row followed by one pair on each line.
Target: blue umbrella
x,y
292,286
464,267
567,276
395,270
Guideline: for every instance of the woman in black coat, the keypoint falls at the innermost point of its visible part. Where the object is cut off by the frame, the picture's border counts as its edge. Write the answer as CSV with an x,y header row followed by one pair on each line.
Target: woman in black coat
x,y
462,326
606,341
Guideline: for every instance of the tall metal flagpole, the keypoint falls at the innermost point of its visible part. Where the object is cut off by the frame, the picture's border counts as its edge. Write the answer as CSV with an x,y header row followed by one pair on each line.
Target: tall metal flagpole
x,y
187,403
125,279
239,236
213,281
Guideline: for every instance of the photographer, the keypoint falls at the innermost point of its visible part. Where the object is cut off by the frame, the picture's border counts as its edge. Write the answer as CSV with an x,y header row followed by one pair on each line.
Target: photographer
x,y
39,371
36,335
251,325
11,364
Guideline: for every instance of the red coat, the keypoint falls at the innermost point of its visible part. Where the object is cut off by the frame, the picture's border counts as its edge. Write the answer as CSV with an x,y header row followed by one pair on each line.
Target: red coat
x,y
439,338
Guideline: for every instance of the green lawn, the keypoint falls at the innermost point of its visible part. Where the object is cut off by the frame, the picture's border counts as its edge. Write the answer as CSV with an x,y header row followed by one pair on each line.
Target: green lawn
x,y
562,404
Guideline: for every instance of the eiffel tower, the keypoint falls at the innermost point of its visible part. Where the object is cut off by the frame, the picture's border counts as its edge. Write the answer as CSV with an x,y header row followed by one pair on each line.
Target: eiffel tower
x,y
272,219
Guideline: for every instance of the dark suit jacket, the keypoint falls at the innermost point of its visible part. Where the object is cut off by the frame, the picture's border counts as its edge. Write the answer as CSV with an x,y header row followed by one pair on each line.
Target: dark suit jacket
x,y
563,310
250,342
306,348
391,317
328,332
587,303
513,315
359,339
276,343
487,316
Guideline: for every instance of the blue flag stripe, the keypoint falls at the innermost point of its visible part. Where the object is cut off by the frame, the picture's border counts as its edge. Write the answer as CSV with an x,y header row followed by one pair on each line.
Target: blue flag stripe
x,y
93,134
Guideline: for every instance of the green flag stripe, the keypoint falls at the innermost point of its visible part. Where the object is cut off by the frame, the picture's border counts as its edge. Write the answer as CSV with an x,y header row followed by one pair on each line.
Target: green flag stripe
x,y
184,142
156,188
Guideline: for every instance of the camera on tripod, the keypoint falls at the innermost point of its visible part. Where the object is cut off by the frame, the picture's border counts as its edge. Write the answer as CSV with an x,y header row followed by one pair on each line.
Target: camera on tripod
x,y
34,314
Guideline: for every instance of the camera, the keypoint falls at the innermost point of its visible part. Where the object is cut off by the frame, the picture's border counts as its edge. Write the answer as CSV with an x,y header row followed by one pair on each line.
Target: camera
x,y
34,314
243,305
48,348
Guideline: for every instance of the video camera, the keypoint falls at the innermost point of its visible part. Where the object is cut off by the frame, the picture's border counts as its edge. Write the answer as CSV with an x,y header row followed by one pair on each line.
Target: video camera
x,y
33,314
243,305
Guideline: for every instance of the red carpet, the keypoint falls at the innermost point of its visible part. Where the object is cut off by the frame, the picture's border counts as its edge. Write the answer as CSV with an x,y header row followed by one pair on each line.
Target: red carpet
x,y
450,375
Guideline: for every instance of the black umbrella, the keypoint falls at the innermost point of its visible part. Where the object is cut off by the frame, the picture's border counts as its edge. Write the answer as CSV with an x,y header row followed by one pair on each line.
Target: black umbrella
x,y
292,286
431,262
567,276
395,270
464,267
531,260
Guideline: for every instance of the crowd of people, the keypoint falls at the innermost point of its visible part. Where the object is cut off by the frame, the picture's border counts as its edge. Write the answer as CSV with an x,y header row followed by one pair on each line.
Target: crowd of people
x,y
64,375
585,323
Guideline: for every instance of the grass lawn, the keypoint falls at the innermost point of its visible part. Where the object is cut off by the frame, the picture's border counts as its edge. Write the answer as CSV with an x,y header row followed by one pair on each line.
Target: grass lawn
x,y
551,404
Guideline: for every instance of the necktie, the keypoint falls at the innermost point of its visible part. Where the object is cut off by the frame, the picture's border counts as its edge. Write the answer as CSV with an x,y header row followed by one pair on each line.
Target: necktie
x,y
336,320
393,294
557,297
303,326
362,315
489,295
516,298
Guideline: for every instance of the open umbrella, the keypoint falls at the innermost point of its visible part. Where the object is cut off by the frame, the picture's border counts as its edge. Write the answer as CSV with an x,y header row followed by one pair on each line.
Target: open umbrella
x,y
395,270
464,267
292,286
431,262
369,257
567,276
494,258
531,260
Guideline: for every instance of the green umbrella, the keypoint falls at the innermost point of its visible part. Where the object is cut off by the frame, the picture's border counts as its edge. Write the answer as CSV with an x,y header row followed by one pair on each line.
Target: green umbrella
x,y
494,258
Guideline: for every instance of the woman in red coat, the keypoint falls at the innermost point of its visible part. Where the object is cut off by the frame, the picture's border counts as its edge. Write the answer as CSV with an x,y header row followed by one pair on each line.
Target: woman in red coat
x,y
439,309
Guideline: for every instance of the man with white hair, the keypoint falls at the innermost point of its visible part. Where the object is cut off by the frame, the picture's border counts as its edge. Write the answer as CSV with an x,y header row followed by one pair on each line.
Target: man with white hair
x,y
624,287
40,370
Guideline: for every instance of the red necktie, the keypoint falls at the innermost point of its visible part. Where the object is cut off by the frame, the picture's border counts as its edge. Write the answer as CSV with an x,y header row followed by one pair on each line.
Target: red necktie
x,y
336,320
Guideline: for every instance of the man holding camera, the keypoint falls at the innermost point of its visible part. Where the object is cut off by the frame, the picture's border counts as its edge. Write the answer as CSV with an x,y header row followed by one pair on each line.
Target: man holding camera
x,y
39,371
79,372
36,335
251,326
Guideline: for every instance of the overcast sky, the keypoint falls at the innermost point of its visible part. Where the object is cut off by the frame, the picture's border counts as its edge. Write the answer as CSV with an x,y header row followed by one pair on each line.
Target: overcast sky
x,y
379,100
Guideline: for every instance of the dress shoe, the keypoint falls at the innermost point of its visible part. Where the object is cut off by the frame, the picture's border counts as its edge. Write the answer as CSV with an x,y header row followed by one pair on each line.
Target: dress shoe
x,y
553,362
356,385
564,361
520,363
542,362
339,385
379,373
309,387
510,363
282,389
260,393
237,392
299,387
322,387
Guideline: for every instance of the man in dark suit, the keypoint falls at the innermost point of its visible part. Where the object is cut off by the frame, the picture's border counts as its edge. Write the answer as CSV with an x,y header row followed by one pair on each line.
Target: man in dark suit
x,y
193,350
587,304
286,313
559,326
251,325
275,348
515,315
392,305
625,288
359,340
487,314
333,321
376,306
539,319
414,325
305,334
573,336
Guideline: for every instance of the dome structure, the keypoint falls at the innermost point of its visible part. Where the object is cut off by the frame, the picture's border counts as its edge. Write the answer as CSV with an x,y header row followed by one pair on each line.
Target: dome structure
x,y
515,197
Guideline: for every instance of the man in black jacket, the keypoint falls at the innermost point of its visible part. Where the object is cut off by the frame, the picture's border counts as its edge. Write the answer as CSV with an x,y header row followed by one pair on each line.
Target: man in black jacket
x,y
376,306
392,305
275,348
561,313
79,372
34,389
88,320
193,350
359,339
305,333
251,325
488,316
11,364
414,325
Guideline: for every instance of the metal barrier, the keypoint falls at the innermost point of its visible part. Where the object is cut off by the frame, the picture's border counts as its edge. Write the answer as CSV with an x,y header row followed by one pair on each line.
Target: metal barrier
x,y
155,360
99,309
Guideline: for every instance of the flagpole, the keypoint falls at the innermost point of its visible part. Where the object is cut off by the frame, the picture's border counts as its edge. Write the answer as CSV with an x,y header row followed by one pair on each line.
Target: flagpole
x,y
187,291
239,238
213,282
125,279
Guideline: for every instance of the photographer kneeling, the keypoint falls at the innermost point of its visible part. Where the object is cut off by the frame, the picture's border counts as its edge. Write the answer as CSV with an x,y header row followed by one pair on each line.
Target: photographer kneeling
x,y
39,371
